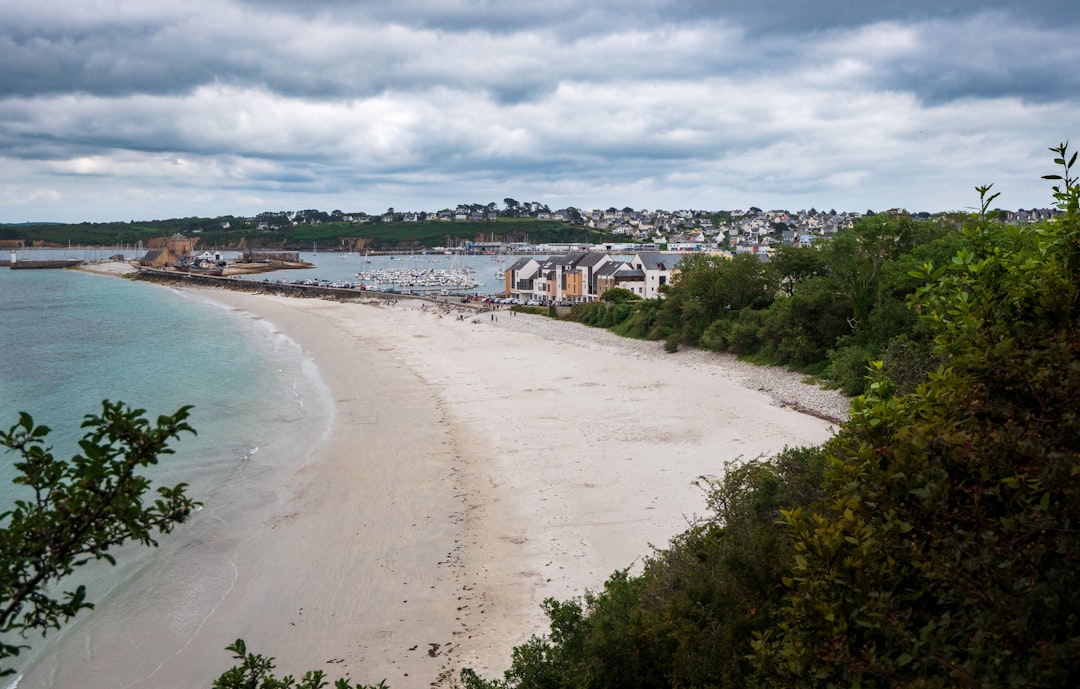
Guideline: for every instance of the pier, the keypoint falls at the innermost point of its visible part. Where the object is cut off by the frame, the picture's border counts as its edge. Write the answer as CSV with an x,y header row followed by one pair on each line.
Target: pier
x,y
265,286
29,265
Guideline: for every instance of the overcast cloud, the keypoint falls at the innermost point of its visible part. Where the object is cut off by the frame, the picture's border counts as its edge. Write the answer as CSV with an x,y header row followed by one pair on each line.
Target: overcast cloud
x,y
127,109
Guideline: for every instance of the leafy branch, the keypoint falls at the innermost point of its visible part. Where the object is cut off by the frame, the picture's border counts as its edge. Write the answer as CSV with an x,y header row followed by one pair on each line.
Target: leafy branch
x,y
80,509
255,672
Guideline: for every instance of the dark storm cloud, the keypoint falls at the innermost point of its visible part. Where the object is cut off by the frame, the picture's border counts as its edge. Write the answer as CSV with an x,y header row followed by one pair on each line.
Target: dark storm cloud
x,y
344,50
797,17
762,17
656,99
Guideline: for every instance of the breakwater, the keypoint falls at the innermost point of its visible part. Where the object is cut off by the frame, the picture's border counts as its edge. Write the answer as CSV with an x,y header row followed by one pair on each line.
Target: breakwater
x,y
24,264
265,286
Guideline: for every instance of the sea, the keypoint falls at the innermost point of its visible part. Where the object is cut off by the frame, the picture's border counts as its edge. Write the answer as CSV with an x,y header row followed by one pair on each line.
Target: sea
x,y
70,339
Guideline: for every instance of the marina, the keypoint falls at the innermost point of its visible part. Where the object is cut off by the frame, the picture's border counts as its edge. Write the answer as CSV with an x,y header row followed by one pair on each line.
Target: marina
x,y
429,278
397,272
402,272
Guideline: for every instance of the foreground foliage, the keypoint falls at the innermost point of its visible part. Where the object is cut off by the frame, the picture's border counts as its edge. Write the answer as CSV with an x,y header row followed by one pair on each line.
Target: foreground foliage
x,y
256,672
948,551
933,542
77,511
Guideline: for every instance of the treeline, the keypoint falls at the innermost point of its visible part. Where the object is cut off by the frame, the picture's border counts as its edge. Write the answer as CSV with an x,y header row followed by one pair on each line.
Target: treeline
x,y
110,233
212,232
933,542
826,309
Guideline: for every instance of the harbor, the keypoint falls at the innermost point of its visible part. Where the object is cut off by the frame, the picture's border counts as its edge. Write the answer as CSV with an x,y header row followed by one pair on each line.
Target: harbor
x,y
428,274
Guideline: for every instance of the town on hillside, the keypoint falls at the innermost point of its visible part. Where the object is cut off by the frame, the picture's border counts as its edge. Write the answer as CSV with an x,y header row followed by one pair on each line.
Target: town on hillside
x,y
516,228
751,230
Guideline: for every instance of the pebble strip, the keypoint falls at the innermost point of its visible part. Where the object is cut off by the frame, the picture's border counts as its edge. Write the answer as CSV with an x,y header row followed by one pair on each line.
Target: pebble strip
x,y
787,388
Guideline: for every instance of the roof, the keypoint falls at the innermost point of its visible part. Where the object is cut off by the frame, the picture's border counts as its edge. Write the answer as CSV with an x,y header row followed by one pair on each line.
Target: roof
x,y
610,268
570,259
592,258
655,260
520,263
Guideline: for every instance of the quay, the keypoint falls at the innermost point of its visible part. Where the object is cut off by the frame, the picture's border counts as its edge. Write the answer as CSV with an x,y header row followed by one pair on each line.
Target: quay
x,y
266,286
29,265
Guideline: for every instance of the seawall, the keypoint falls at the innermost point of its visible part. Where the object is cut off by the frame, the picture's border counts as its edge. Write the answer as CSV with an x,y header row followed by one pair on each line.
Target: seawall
x,y
285,289
29,265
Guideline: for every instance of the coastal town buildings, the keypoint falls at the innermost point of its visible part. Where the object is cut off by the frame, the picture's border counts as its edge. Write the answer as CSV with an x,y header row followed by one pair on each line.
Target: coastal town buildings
x,y
168,251
581,276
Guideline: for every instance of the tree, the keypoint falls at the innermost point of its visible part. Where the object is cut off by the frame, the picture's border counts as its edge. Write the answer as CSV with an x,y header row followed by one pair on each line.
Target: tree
x,y
855,259
711,287
76,511
793,264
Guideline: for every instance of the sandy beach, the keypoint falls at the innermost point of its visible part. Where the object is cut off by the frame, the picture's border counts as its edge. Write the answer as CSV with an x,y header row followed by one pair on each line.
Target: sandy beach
x,y
475,467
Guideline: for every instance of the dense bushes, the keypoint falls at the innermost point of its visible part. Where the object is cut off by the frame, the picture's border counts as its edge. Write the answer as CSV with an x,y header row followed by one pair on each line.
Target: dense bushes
x,y
948,552
933,542
601,314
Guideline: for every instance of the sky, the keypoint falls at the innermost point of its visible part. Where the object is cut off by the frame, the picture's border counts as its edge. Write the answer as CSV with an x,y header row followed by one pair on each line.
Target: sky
x,y
134,110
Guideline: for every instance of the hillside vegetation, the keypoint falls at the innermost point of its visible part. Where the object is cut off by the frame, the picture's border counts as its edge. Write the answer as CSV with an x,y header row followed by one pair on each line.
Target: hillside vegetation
x,y
933,542
328,235
826,309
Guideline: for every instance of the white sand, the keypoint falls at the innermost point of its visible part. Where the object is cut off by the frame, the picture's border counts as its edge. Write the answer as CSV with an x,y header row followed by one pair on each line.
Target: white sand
x,y
474,470
109,268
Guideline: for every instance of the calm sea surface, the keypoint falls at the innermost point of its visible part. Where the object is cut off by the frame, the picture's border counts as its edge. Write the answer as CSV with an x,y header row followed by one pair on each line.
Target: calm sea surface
x,y
70,339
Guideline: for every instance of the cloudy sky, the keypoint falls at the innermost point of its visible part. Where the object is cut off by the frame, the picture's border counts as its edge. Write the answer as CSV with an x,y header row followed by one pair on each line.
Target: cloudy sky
x,y
130,109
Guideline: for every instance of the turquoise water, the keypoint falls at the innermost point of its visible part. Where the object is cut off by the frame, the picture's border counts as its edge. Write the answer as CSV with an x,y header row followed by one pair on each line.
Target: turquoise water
x,y
70,339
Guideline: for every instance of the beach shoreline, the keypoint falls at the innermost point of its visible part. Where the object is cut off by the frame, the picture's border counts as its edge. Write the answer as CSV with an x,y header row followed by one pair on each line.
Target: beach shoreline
x,y
474,468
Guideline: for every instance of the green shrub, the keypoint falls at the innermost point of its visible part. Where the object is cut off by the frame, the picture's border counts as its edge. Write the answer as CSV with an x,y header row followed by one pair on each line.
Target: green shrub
x,y
744,336
908,362
619,295
848,368
717,337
